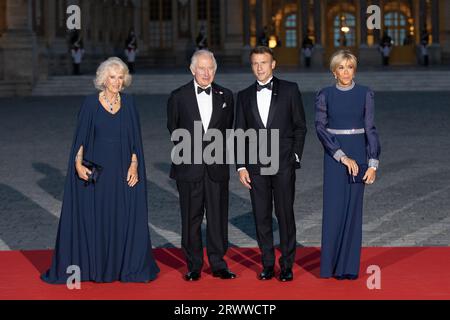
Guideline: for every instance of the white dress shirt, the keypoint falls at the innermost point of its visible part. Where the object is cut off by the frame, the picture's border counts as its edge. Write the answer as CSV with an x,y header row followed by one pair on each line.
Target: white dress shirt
x,y
204,102
263,99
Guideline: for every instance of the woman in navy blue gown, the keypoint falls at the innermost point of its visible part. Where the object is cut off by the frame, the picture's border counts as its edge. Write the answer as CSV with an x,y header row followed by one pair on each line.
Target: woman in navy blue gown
x,y
345,126
103,228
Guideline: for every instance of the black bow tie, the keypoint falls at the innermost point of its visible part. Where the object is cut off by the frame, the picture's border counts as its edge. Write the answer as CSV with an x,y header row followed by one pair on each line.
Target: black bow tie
x,y
200,90
268,86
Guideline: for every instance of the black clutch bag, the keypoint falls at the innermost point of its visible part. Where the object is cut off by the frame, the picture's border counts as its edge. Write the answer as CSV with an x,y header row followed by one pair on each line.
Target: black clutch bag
x,y
362,168
95,171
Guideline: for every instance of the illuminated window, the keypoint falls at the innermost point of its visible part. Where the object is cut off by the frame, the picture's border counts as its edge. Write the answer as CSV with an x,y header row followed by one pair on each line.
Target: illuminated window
x,y
344,39
291,31
396,25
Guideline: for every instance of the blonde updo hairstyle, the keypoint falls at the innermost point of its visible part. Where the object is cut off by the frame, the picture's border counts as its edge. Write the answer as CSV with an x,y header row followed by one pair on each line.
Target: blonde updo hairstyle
x,y
104,69
342,55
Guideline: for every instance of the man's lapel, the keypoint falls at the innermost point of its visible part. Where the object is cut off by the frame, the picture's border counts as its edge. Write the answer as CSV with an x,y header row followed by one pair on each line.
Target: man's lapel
x,y
218,102
191,100
273,101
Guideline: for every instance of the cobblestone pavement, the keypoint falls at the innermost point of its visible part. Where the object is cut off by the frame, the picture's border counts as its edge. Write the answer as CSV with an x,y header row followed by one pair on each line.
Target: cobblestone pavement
x,y
409,205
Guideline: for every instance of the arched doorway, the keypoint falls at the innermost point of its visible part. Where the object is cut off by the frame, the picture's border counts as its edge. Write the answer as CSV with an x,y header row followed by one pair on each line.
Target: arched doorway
x,y
285,31
398,24
344,32
208,17
341,27
160,24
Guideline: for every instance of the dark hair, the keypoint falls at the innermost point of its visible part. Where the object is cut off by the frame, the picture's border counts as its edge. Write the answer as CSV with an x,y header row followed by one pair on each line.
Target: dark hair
x,y
262,50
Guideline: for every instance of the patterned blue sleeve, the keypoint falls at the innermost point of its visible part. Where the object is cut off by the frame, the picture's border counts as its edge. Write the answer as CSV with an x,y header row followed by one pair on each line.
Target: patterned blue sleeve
x,y
328,140
373,141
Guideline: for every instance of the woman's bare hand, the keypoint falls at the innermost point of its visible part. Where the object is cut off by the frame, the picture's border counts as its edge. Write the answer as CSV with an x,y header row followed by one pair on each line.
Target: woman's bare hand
x,y
83,172
132,176
351,165
370,176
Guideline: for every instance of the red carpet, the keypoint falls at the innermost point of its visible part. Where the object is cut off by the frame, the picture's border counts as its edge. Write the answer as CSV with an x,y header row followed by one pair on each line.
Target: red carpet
x,y
406,273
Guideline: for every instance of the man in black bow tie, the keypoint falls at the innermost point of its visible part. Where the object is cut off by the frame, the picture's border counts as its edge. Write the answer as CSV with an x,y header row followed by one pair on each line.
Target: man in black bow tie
x,y
202,187
272,104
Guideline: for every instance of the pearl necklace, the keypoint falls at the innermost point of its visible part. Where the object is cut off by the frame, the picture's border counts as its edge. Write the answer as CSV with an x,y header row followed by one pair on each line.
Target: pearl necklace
x,y
111,105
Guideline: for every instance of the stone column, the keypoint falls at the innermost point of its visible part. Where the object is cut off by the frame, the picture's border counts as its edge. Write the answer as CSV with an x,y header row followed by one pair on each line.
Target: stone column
x,y
182,43
233,30
246,48
318,51
49,21
422,18
145,13
137,19
304,14
435,20
434,51
182,18
362,23
259,18
367,56
376,32
317,23
19,43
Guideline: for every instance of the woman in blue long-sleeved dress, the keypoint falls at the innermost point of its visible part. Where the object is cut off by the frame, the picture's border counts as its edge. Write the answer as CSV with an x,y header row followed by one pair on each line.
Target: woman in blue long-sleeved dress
x,y
103,229
345,126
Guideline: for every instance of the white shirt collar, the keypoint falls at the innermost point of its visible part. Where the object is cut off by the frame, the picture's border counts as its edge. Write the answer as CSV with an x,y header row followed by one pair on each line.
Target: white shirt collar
x,y
197,85
266,81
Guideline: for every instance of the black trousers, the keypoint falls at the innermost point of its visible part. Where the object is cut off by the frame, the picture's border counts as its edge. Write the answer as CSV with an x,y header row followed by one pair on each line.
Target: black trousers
x,y
196,198
278,190
130,67
76,68
308,62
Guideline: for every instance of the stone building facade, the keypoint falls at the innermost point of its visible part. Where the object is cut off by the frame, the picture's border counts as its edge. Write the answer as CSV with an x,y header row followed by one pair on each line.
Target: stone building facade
x,y
35,41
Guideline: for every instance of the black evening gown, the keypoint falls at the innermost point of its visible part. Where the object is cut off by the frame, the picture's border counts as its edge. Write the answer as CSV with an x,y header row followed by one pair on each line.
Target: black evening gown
x,y
104,226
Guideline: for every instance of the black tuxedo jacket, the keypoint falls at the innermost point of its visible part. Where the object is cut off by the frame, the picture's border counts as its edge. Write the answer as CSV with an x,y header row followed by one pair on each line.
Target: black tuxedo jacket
x,y
286,114
182,111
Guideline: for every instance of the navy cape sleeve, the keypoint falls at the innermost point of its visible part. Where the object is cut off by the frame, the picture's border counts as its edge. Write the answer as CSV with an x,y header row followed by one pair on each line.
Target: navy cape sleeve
x,y
77,199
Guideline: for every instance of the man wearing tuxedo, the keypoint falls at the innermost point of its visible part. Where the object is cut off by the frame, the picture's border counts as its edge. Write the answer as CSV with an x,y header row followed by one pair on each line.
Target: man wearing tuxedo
x,y
202,187
272,104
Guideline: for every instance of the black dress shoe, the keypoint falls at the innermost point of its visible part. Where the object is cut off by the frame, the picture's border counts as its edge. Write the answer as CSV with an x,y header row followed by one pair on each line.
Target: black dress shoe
x,y
192,276
224,274
266,274
286,275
